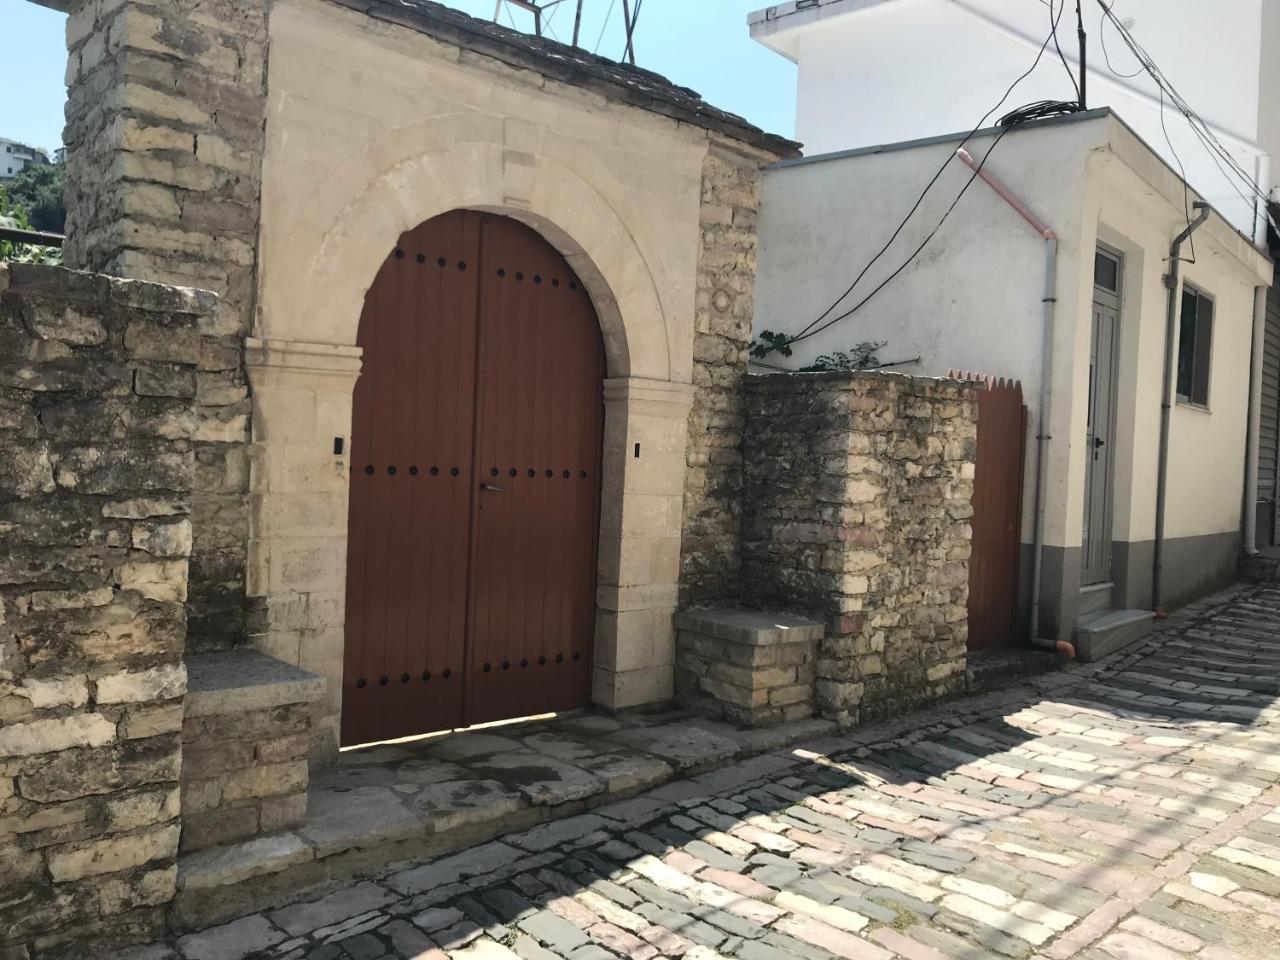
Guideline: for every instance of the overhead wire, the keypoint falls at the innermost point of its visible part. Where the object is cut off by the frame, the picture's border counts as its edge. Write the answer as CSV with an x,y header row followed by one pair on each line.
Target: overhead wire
x,y
604,26
635,19
1234,173
924,243
809,329
1053,25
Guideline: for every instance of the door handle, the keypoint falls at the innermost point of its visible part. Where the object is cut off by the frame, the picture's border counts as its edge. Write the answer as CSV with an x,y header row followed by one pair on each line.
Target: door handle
x,y
1098,442
491,488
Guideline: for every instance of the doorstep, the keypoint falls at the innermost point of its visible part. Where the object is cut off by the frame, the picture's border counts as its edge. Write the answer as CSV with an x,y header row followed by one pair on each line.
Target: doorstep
x,y
434,796
1102,634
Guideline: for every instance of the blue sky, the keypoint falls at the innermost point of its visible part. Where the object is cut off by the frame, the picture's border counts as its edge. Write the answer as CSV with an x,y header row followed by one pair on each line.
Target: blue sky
x,y
703,44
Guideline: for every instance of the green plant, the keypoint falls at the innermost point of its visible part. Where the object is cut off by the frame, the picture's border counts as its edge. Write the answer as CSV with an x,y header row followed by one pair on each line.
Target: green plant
x,y
14,216
38,190
769,342
861,356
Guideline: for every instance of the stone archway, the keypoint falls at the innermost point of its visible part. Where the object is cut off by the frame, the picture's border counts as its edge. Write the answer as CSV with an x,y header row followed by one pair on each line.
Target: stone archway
x,y
304,361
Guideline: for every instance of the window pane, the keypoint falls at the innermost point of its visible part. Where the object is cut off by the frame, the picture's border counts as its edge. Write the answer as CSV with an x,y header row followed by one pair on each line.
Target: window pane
x,y
1187,344
1204,350
1106,272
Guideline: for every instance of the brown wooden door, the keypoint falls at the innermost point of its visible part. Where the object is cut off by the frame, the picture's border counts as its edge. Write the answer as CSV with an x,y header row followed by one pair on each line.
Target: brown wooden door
x,y
475,484
997,513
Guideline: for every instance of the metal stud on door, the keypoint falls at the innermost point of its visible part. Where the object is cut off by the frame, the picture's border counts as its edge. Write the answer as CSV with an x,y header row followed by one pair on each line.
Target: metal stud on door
x,y
475,484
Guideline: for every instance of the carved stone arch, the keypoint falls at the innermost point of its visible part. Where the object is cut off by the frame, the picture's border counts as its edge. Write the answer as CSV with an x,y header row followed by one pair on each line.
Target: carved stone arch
x,y
417,173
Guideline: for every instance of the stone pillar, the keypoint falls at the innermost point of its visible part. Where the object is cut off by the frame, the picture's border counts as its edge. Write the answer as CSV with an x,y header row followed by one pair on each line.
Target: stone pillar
x,y
645,430
302,395
859,494
725,305
164,137
97,384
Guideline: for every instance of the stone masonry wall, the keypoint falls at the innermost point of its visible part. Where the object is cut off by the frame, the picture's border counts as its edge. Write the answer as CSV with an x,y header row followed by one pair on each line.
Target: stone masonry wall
x,y
856,511
244,774
710,550
97,384
164,138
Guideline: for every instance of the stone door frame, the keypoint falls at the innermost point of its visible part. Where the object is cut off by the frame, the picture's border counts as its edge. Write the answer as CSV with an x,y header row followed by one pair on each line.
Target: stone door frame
x,y
302,398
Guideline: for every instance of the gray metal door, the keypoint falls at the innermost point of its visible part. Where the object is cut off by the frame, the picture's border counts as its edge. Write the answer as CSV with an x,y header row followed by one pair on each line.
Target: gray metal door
x,y
1099,456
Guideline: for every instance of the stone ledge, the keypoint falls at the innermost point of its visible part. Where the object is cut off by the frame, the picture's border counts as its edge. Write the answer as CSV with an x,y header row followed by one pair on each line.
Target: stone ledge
x,y
243,680
752,627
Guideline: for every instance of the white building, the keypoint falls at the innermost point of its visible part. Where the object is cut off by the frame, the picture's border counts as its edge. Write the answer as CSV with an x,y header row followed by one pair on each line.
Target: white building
x,y
973,298
16,157
885,71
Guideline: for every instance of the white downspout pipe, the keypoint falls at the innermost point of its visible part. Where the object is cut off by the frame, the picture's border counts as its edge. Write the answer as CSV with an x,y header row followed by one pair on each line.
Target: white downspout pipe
x,y
1049,303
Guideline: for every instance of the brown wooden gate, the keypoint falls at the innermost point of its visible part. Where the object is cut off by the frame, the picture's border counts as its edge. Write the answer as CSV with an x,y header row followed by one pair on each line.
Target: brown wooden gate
x,y
997,513
475,484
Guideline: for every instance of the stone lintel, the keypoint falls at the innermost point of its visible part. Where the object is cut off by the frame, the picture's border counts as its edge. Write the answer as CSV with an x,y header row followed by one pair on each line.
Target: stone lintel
x,y
753,627
242,680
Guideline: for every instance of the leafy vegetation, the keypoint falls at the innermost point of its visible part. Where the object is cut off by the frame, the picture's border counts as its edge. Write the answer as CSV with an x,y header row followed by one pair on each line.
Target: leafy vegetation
x,y
38,190
33,201
861,356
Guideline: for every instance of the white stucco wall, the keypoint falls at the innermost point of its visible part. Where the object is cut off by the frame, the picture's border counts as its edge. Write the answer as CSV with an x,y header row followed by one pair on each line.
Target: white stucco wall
x,y
882,71
973,299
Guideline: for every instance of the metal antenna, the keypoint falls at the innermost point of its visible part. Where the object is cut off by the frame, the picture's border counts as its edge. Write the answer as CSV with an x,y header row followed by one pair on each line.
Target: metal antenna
x,y
1084,43
536,9
577,23
630,25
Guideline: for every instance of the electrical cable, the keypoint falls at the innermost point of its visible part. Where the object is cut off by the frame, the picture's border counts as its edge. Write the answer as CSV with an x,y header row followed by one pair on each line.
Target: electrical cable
x,y
1186,190
1053,25
1236,175
1102,37
804,332
605,26
906,263
631,43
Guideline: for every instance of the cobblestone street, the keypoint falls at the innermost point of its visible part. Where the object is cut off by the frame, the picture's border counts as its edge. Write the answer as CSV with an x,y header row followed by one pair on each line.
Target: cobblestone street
x,y
1125,810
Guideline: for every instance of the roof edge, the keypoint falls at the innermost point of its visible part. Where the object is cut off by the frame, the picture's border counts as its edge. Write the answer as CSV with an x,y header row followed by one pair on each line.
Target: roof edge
x,y
571,65
1081,117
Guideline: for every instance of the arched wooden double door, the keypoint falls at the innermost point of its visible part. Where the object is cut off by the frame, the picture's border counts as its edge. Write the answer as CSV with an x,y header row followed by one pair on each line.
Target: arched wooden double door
x,y
475,482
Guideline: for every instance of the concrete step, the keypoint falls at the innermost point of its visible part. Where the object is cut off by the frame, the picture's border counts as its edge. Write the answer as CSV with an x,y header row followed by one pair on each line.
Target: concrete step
x,y
1263,567
1102,634
1095,599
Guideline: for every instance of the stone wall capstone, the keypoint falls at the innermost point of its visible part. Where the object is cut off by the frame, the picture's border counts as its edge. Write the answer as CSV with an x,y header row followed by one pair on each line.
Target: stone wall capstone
x,y
725,307
98,379
165,136
857,512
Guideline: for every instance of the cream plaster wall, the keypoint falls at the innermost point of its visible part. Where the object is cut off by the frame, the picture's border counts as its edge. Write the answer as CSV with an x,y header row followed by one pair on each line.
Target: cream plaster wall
x,y
972,301
1130,203
373,129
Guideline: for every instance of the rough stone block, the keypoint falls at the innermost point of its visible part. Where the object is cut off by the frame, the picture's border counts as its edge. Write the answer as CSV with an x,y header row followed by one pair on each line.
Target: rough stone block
x,y
744,665
112,854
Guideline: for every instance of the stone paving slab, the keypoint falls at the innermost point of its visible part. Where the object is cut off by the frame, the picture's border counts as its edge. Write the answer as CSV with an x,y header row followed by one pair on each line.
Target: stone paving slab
x,y
1122,810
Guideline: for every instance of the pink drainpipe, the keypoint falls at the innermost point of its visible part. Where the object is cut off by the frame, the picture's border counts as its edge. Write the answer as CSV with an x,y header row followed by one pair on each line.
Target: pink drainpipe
x,y
1049,302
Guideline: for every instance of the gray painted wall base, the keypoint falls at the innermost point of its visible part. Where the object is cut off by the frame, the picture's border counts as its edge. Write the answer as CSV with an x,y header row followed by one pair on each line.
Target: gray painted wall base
x,y
1103,634
1194,567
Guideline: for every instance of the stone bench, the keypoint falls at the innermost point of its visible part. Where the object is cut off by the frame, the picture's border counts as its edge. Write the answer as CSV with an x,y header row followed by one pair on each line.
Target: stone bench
x,y
747,667
246,733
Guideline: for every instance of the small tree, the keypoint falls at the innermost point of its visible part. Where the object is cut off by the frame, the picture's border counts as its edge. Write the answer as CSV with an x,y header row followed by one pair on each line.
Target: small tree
x,y
38,189
14,216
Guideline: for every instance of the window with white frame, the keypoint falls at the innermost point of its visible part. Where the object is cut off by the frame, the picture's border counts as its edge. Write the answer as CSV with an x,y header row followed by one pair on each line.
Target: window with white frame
x,y
1195,346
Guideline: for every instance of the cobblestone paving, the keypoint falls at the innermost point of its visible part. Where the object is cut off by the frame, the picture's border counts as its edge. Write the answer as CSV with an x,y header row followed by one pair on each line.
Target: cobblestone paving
x,y
1125,810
